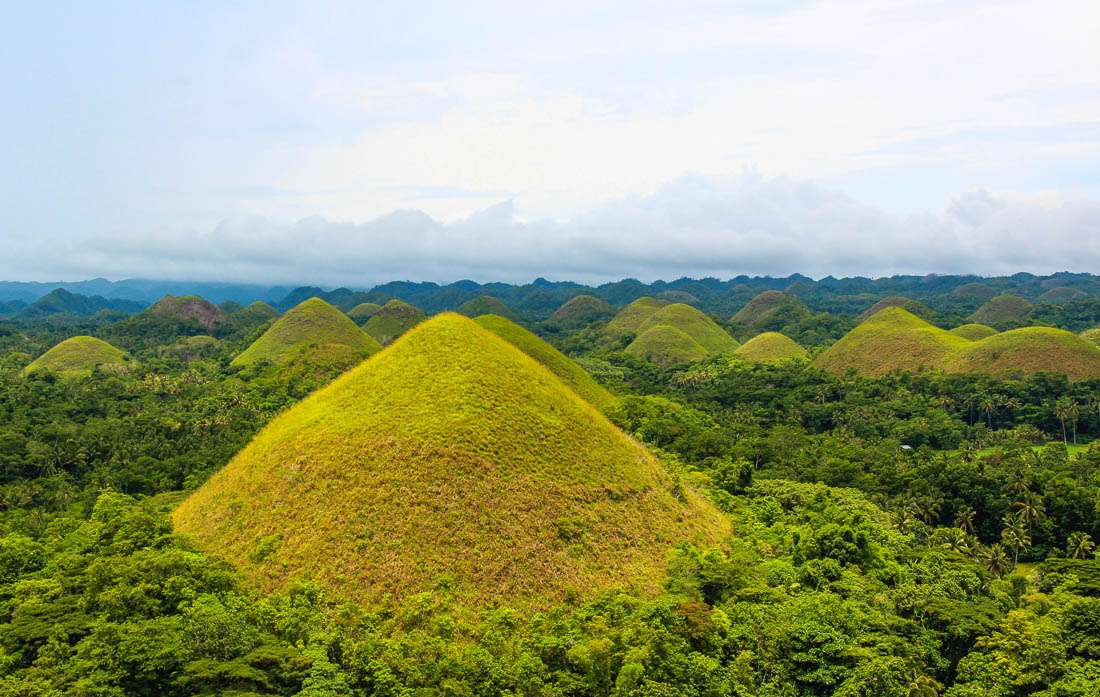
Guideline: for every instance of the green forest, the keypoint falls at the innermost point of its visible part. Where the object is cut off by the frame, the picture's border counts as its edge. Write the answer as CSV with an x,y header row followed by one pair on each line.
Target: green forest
x,y
756,489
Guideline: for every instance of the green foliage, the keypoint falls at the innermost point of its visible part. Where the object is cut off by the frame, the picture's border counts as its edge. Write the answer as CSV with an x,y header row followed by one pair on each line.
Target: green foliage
x,y
702,329
629,320
580,311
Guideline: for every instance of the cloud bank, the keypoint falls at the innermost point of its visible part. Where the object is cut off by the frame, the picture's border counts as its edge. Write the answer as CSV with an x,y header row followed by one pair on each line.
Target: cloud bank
x,y
693,226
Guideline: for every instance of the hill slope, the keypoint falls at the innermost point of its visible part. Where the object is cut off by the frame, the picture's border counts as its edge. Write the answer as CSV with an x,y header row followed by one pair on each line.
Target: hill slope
x,y
695,324
451,454
312,323
892,339
770,306
582,310
189,309
914,306
486,305
974,332
629,320
1029,350
394,319
1002,311
666,346
1092,335
770,347
364,311
77,356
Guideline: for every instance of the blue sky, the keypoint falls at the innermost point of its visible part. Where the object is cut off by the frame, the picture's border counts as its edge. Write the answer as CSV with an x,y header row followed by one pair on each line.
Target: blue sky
x,y
272,141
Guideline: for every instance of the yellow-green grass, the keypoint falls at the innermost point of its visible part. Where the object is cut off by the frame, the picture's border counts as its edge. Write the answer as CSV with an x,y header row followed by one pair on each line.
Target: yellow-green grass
x,y
1002,311
451,456
972,331
189,308
581,310
394,319
311,322
364,311
486,305
896,340
667,347
765,305
914,306
629,320
557,362
254,313
1060,295
695,324
770,347
1092,335
78,356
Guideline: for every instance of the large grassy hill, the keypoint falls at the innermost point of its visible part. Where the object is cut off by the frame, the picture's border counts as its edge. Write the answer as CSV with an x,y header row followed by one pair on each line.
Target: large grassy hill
x,y
78,356
582,310
1003,311
557,362
189,308
770,347
486,305
1092,335
769,306
972,331
914,306
364,311
695,324
1030,350
449,457
394,319
666,346
311,323
629,320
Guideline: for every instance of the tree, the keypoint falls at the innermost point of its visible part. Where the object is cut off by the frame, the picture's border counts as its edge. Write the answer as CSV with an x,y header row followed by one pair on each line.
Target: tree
x,y
964,519
1030,510
1066,410
1079,545
995,560
1016,536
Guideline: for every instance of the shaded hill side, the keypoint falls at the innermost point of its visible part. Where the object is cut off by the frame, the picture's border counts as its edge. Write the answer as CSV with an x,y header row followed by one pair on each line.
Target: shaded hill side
x,y
770,347
667,347
189,309
312,323
916,307
78,356
1029,350
629,320
1003,311
892,339
582,310
364,311
768,307
972,331
695,324
394,319
486,305
60,301
451,454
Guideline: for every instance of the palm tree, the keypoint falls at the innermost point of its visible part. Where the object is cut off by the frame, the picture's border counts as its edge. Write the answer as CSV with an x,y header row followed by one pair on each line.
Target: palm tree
x,y
1079,545
995,559
955,540
1030,510
964,519
920,685
1066,410
1015,535
988,403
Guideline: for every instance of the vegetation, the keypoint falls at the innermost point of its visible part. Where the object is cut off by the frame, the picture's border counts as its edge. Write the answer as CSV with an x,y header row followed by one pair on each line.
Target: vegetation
x,y
1003,312
394,319
767,307
1030,350
666,346
77,357
629,320
1092,335
312,323
770,347
913,306
582,310
695,324
1060,295
364,311
189,308
974,332
486,305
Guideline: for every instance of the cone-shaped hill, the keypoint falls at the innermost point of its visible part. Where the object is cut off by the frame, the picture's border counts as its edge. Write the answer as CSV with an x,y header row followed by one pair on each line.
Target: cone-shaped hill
x,y
914,306
895,340
1003,311
769,306
629,320
1061,295
364,311
486,305
189,309
770,347
557,362
78,356
695,324
666,346
310,324
582,310
974,332
451,455
394,319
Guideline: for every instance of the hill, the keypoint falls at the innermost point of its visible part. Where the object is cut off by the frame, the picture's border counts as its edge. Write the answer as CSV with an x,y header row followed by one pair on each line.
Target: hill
x,y
451,457
554,360
891,339
1029,350
1092,335
582,310
678,296
394,319
1003,311
189,309
1061,295
695,324
667,347
915,307
770,347
78,356
364,311
770,307
974,292
629,320
60,301
974,332
312,323
486,305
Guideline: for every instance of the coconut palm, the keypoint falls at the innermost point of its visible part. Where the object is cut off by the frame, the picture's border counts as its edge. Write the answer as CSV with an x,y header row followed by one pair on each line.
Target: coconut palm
x,y
1030,509
1016,536
920,685
964,519
1079,545
995,560
954,539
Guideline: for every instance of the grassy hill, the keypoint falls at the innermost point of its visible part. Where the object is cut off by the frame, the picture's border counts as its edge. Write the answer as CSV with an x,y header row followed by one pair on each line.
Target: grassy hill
x,y
1029,350
915,307
695,324
678,296
1092,335
394,319
972,331
78,356
582,310
451,456
486,305
666,346
557,362
1061,295
311,323
768,307
1003,311
189,309
974,292
770,347
629,320
364,311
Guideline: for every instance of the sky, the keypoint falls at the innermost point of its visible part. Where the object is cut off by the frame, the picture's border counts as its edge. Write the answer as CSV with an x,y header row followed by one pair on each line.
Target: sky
x,y
358,142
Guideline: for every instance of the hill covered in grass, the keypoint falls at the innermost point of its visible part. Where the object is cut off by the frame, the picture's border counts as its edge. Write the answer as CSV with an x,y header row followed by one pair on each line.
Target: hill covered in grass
x,y
1092,335
666,346
629,320
1061,295
486,305
701,328
914,306
1003,312
187,309
394,319
770,347
451,456
78,356
1027,351
972,331
582,310
364,311
770,307
554,360
312,323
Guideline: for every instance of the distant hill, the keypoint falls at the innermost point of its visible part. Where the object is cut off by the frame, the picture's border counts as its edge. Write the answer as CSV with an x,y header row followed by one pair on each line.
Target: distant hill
x,y
695,324
678,296
973,332
60,301
450,454
394,319
770,308
189,309
1030,350
666,346
1003,311
363,311
77,357
917,308
1061,295
974,292
629,320
313,323
582,310
770,347
486,305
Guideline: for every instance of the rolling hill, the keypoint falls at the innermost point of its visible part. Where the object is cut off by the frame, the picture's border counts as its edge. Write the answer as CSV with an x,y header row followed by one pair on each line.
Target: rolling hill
x,y
666,346
582,310
629,320
189,309
394,319
486,305
915,307
454,458
364,311
695,324
312,323
78,356
1092,335
768,307
1003,311
1029,350
1061,295
974,332
770,347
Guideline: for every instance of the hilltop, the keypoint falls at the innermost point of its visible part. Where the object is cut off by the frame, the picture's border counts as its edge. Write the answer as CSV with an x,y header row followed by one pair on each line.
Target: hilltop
x,y
189,309
1029,350
770,347
768,308
486,305
915,307
451,456
394,319
694,323
555,361
78,356
364,311
666,346
972,331
582,310
1061,295
312,323
1002,312
60,301
629,320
